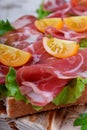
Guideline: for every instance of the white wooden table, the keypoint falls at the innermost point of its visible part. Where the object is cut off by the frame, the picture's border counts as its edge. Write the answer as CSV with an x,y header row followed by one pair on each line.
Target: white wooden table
x,y
12,9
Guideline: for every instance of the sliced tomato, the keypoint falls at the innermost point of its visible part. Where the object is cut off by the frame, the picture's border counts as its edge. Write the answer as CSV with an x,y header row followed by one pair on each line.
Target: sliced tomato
x,y
76,23
60,48
13,57
42,24
79,2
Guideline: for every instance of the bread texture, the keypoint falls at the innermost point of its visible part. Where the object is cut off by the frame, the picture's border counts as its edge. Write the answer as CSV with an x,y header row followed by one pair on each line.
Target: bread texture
x,y
16,108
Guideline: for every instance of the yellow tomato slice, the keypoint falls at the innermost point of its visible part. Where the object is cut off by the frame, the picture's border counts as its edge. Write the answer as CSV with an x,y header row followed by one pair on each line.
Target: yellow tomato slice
x,y
11,56
60,48
76,23
42,24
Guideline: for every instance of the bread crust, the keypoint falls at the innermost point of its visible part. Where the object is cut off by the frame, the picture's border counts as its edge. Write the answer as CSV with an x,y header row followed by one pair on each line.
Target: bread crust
x,y
16,108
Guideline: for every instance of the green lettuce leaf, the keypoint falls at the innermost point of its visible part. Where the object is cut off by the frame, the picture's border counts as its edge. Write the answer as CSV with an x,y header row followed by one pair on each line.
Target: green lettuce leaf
x,y
81,121
12,86
37,107
71,92
3,91
83,43
41,13
5,27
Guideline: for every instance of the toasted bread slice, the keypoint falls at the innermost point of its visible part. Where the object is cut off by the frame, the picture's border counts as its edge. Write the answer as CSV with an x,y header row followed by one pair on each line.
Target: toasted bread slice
x,y
16,108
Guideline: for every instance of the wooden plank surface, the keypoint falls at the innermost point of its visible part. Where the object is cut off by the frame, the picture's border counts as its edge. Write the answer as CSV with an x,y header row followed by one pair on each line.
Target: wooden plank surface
x,y
52,120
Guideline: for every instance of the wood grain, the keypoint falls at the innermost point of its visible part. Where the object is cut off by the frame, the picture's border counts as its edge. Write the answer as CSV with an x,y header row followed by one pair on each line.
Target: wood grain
x,y
61,119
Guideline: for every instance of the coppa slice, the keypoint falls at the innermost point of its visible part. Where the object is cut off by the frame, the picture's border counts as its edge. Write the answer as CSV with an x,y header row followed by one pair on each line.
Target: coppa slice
x,y
44,23
76,23
24,34
60,48
13,57
65,34
39,83
24,21
53,5
3,71
70,67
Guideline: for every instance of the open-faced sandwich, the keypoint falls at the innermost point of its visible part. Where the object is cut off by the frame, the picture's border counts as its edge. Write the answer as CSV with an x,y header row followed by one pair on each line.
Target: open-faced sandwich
x,y
43,62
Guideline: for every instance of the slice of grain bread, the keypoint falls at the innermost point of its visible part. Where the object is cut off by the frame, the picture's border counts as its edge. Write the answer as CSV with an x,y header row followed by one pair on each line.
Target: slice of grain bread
x,y
20,108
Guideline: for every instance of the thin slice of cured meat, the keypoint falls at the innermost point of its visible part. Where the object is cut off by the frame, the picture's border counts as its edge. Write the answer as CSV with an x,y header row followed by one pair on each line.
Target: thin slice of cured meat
x,y
43,81
64,68
64,13
39,84
17,35
27,34
71,67
3,71
38,52
65,33
79,9
25,30
22,45
79,12
53,5
23,21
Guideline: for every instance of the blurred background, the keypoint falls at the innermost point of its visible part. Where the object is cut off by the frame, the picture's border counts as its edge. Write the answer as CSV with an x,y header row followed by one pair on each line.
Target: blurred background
x,y
12,9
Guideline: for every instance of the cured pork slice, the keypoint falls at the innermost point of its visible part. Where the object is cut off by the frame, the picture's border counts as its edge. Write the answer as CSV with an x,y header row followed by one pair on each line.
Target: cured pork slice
x,y
39,84
44,78
58,13
53,5
23,21
65,33
3,71
25,32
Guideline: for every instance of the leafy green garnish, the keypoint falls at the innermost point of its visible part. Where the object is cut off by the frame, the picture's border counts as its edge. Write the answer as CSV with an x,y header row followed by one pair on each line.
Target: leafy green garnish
x,y
13,89
83,43
41,12
12,86
71,92
3,91
37,107
5,27
81,121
